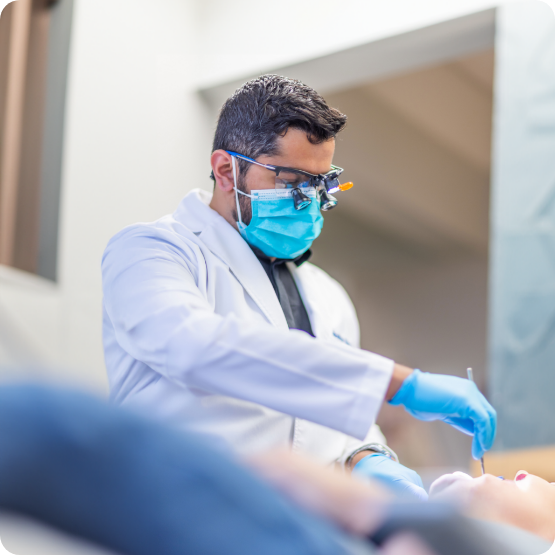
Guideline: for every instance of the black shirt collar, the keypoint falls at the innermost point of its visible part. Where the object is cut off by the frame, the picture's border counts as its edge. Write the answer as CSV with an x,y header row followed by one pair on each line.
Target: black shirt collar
x,y
298,261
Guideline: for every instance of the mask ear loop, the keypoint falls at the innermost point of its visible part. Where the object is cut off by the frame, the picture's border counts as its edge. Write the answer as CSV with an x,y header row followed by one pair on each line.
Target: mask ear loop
x,y
237,191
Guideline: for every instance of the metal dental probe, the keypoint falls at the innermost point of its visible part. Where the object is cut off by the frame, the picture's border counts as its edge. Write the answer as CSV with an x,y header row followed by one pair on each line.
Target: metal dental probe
x,y
471,378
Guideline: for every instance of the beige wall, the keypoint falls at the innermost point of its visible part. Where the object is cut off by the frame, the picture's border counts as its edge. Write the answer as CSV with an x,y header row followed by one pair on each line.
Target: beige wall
x,y
410,240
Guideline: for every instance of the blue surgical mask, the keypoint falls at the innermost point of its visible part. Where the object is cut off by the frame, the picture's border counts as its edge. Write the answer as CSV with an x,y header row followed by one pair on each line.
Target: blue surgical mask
x,y
276,227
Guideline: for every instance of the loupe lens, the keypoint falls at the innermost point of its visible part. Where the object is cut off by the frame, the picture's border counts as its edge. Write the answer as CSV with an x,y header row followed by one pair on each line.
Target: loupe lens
x,y
327,202
300,199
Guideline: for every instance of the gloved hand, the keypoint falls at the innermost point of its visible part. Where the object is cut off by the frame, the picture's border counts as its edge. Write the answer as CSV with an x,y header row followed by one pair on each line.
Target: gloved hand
x,y
402,480
454,400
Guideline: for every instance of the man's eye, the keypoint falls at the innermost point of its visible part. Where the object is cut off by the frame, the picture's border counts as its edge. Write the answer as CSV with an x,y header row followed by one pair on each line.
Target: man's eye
x,y
282,183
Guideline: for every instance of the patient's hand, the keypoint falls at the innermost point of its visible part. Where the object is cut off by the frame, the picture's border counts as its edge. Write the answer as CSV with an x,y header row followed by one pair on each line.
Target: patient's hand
x,y
528,502
354,505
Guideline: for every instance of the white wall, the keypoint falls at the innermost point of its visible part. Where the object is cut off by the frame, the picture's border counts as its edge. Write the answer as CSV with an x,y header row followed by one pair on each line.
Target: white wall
x,y
137,141
134,138
262,35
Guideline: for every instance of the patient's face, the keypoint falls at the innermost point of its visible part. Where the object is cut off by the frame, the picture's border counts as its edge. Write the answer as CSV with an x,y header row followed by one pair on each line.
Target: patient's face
x,y
527,501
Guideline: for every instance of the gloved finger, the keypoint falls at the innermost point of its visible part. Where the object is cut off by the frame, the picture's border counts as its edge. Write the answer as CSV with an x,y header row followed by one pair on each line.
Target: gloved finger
x,y
482,434
408,490
493,417
484,425
477,450
414,477
404,488
488,439
483,442
464,425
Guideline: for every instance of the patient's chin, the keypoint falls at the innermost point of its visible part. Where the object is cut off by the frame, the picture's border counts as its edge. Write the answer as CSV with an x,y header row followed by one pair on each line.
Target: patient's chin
x,y
445,486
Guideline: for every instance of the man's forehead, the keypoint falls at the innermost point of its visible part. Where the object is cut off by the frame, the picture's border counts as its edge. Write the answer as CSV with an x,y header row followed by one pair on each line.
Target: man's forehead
x,y
294,150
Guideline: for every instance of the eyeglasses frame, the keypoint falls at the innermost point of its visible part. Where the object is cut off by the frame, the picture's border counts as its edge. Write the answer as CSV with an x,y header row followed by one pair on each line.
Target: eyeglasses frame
x,y
315,179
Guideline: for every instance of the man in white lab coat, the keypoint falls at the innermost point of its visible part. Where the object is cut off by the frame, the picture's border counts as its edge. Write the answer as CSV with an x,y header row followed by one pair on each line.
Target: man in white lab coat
x,y
215,320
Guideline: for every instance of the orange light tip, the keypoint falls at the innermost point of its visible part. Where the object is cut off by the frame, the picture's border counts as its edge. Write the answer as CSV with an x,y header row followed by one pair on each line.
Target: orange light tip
x,y
346,186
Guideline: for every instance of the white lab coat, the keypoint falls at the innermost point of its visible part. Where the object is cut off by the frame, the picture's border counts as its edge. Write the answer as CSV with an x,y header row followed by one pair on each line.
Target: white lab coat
x,y
195,336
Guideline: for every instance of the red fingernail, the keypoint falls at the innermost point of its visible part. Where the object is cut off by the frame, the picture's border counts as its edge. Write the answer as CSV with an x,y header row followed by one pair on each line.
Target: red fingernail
x,y
520,477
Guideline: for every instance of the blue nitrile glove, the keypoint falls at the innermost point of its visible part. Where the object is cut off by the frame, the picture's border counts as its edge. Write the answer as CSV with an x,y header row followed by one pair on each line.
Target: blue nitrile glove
x,y
401,480
454,400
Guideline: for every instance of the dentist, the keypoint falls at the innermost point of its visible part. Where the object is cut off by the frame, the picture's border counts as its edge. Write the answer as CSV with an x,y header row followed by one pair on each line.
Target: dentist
x,y
215,320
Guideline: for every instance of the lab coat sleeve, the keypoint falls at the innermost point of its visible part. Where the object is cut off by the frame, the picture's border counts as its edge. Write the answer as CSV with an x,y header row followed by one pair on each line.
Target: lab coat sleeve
x,y
351,330
162,319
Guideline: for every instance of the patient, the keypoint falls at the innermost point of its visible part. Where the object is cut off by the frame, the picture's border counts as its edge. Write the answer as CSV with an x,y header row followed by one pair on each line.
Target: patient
x,y
527,502
116,479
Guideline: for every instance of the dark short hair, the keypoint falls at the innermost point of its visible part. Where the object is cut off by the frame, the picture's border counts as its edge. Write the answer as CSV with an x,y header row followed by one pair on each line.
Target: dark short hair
x,y
263,109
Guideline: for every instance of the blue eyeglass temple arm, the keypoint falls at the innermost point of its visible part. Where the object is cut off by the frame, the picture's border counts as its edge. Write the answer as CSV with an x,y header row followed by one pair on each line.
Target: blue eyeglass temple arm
x,y
274,168
243,157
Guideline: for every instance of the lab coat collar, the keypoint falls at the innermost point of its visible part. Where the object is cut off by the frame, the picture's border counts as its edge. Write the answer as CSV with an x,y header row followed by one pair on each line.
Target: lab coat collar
x,y
227,244
297,261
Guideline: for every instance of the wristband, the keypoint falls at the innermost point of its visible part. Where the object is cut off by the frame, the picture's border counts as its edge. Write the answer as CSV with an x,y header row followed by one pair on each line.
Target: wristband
x,y
376,448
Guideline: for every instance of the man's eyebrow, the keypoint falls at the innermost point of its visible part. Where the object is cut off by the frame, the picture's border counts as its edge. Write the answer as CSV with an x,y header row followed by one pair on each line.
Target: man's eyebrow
x,y
286,167
291,168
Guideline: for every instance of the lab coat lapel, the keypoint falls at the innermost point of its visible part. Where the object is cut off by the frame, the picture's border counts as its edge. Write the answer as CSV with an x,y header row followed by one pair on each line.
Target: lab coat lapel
x,y
227,244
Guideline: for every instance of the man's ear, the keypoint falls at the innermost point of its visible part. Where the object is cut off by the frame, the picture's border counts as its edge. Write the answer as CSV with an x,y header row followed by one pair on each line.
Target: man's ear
x,y
223,170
